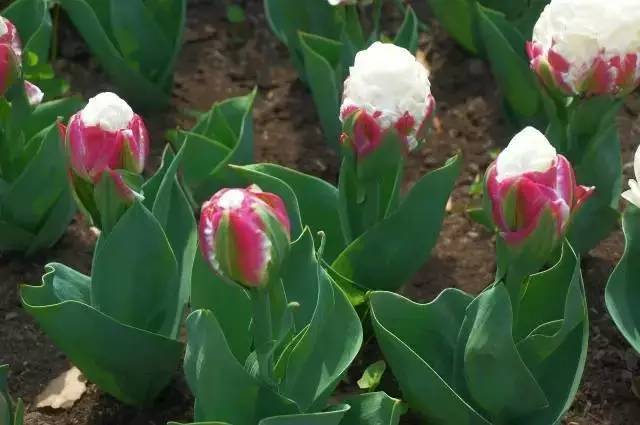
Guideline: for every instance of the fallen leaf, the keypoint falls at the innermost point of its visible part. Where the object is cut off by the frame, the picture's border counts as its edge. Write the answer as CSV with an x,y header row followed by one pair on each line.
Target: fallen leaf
x,y
63,391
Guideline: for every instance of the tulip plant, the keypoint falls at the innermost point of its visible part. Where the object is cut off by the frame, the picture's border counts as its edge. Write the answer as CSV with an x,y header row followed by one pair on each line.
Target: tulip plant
x,y
381,125
11,413
323,37
622,292
120,326
516,352
265,305
35,203
137,43
585,55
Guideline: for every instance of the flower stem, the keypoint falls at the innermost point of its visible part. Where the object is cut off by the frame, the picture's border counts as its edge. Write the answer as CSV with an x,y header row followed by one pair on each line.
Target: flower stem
x,y
263,333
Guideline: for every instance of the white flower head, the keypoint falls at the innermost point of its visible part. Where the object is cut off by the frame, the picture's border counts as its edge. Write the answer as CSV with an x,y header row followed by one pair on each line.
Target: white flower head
x,y
107,111
388,82
582,30
528,151
633,194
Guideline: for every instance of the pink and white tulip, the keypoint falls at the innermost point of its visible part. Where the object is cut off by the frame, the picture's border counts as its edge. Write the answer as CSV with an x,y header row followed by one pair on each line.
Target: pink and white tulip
x,y
244,234
106,136
11,62
528,179
349,2
588,47
389,90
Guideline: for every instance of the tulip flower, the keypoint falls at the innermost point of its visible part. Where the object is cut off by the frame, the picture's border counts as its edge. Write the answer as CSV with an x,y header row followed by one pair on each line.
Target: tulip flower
x,y
244,234
106,136
349,2
10,62
387,90
527,180
633,194
588,47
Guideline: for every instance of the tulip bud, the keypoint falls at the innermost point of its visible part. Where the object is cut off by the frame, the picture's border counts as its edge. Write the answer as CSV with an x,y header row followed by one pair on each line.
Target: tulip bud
x,y
9,36
389,90
244,234
633,194
106,135
34,94
588,47
528,180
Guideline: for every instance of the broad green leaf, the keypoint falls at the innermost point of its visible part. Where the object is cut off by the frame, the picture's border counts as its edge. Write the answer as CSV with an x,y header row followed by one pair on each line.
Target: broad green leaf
x,y
46,113
407,36
594,151
228,301
458,18
418,341
332,416
496,376
311,374
556,350
324,74
373,409
131,364
623,289
33,22
13,237
317,201
55,223
172,210
509,64
135,276
223,389
414,227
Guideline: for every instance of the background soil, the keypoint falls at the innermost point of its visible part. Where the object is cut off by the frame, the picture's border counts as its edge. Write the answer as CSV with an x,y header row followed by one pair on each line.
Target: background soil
x,y
220,60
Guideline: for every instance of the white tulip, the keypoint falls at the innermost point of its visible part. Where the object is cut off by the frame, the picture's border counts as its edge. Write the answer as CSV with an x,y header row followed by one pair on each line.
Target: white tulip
x,y
107,111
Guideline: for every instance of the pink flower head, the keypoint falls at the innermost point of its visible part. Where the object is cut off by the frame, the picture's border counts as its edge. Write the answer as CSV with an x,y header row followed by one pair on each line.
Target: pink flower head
x,y
389,90
9,68
244,234
527,179
588,47
9,36
106,135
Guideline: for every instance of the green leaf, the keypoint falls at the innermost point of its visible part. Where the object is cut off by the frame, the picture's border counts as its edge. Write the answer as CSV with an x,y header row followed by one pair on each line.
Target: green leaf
x,y
135,277
496,376
556,350
46,113
136,43
407,36
323,67
623,289
33,22
458,18
419,342
210,366
595,153
372,376
332,416
373,409
38,202
228,301
172,210
509,64
317,201
334,325
223,135
414,227
131,364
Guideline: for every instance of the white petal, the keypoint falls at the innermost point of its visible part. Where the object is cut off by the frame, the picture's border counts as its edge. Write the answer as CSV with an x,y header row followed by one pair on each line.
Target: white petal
x,y
107,111
528,151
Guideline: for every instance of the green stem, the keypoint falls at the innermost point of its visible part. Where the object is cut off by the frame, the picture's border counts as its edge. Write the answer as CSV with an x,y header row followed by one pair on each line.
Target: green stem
x,y
263,334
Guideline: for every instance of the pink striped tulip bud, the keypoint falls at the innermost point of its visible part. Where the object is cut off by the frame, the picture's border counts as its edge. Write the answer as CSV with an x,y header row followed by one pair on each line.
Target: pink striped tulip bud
x,y
528,180
244,234
9,36
588,47
106,136
389,90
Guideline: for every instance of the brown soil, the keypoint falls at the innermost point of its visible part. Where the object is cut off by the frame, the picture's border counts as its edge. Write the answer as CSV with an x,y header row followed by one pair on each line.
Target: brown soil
x,y
221,60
